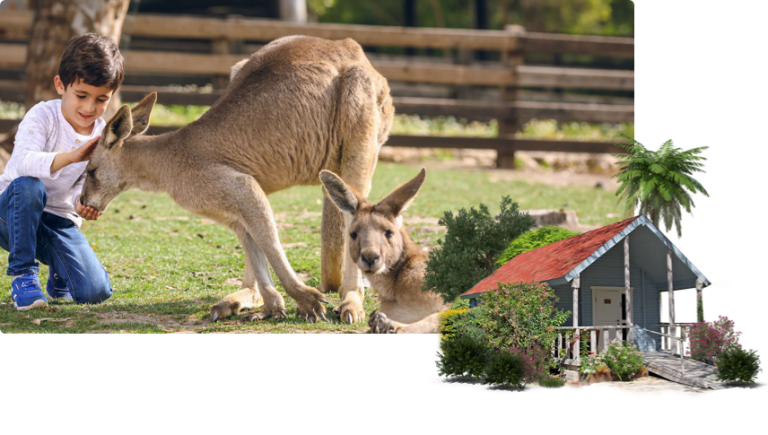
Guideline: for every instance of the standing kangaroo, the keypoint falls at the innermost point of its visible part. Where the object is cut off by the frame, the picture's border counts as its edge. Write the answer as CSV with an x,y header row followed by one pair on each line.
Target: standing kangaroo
x,y
297,106
392,262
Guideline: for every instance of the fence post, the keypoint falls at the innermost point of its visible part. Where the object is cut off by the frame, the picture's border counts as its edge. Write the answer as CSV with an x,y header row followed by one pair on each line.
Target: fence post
x,y
511,59
220,46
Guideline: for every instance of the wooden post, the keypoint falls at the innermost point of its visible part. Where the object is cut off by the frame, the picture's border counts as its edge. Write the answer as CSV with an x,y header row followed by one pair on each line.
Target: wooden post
x,y
699,302
672,330
512,58
593,341
220,46
294,11
628,304
575,284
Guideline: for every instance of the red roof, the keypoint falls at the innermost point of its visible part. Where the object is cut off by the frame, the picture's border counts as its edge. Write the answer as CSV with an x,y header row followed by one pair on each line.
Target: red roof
x,y
552,261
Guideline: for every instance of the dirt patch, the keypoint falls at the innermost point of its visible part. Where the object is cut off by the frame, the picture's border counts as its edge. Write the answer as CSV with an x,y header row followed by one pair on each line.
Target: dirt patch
x,y
552,169
165,321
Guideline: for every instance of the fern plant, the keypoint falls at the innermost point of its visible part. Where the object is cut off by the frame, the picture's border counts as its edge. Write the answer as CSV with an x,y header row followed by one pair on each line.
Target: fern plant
x,y
660,182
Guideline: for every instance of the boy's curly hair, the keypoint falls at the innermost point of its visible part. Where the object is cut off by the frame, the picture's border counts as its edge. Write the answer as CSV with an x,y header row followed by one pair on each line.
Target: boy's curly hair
x,y
94,59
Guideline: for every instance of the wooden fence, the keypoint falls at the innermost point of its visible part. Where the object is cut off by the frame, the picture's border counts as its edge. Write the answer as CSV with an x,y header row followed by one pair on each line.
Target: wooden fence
x,y
509,75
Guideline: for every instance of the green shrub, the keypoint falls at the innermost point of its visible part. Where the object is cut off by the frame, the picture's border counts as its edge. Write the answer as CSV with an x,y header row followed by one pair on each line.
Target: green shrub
x,y
534,239
463,354
623,358
738,365
507,369
472,242
521,315
552,382
448,320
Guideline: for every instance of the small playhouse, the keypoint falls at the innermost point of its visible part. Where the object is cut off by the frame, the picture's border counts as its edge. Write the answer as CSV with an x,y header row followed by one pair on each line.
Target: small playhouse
x,y
611,279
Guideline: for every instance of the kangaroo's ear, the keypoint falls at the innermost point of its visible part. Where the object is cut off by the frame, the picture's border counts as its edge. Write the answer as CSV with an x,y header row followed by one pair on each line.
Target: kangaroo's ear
x,y
141,112
345,198
118,128
399,199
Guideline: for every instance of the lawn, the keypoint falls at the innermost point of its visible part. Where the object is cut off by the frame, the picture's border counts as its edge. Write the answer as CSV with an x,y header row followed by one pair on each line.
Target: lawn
x,y
168,267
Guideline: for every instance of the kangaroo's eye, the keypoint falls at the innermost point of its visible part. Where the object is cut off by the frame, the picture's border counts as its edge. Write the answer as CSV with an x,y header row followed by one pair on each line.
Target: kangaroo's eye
x,y
91,172
389,234
353,235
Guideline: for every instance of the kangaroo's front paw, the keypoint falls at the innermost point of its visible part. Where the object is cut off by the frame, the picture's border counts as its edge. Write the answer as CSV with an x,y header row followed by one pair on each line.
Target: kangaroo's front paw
x,y
274,307
380,324
309,305
232,304
350,311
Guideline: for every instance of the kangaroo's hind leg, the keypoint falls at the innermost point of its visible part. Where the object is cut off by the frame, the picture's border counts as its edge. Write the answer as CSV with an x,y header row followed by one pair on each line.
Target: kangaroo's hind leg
x,y
359,125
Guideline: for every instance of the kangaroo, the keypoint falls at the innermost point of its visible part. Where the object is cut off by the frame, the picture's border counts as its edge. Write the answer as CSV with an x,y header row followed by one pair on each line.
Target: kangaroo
x,y
380,246
294,108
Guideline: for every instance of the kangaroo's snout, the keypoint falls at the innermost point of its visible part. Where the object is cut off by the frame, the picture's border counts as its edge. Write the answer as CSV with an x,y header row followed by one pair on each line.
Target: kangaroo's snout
x,y
370,261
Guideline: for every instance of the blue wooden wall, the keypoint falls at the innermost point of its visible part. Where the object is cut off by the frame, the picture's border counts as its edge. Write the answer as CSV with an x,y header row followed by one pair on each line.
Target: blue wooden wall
x,y
608,271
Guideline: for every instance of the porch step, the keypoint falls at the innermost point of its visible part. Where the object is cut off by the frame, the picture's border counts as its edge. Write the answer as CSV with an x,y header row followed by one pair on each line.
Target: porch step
x,y
697,374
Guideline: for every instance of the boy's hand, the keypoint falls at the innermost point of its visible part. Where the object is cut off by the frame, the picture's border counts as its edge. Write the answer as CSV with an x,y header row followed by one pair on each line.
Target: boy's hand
x,y
84,152
81,154
87,213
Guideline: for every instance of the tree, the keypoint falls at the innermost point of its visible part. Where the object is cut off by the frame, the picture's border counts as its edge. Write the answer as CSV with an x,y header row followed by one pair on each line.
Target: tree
x,y
534,239
55,23
656,182
472,242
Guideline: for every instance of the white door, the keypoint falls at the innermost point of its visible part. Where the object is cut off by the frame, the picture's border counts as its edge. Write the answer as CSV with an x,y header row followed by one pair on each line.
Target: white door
x,y
606,311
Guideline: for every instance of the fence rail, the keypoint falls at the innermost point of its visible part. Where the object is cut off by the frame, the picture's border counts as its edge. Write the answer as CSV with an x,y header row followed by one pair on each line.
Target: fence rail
x,y
509,75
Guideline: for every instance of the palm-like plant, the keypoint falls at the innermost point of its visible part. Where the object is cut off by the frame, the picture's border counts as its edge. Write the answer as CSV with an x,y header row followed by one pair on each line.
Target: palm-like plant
x,y
656,181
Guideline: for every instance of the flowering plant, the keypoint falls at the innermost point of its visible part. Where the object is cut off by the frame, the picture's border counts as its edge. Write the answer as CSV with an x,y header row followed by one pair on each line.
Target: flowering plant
x,y
623,358
522,315
710,339
591,364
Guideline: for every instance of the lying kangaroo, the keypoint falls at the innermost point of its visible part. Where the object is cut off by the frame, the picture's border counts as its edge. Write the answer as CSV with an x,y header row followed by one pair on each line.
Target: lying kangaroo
x,y
392,262
297,106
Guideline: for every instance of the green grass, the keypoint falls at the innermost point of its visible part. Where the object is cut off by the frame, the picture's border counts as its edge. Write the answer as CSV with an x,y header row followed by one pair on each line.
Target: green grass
x,y
168,264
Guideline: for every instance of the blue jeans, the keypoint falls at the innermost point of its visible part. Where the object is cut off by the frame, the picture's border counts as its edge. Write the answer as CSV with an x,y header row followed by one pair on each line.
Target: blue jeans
x,y
28,233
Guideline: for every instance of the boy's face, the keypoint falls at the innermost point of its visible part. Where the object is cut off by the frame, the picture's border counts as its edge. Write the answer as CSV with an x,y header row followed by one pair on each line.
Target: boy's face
x,y
82,104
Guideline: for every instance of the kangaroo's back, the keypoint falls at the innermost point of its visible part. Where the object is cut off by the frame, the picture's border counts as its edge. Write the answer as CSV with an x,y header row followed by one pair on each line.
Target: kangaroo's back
x,y
290,107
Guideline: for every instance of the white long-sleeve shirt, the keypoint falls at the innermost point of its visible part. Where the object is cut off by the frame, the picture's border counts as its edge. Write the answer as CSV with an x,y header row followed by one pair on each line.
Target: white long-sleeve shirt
x,y
42,133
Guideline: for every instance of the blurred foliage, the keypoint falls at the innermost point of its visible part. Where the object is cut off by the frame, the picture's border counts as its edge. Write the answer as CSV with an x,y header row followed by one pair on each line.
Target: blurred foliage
x,y
589,17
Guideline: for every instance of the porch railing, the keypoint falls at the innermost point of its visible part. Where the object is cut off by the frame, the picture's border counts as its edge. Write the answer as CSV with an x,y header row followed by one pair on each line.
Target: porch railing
x,y
568,342
669,338
567,346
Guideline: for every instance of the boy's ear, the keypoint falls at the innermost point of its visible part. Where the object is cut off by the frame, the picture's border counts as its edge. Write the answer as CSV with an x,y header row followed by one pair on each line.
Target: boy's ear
x,y
118,128
141,113
342,195
399,199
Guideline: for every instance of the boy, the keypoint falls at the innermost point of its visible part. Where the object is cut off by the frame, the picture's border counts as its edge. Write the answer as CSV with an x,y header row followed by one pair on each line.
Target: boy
x,y
40,209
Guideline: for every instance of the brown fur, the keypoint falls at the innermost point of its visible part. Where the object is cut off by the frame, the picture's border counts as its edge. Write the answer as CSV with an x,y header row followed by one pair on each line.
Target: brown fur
x,y
298,106
394,264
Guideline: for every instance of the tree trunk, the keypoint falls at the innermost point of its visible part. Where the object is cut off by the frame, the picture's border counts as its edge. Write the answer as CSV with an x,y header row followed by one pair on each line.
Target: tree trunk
x,y
54,24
